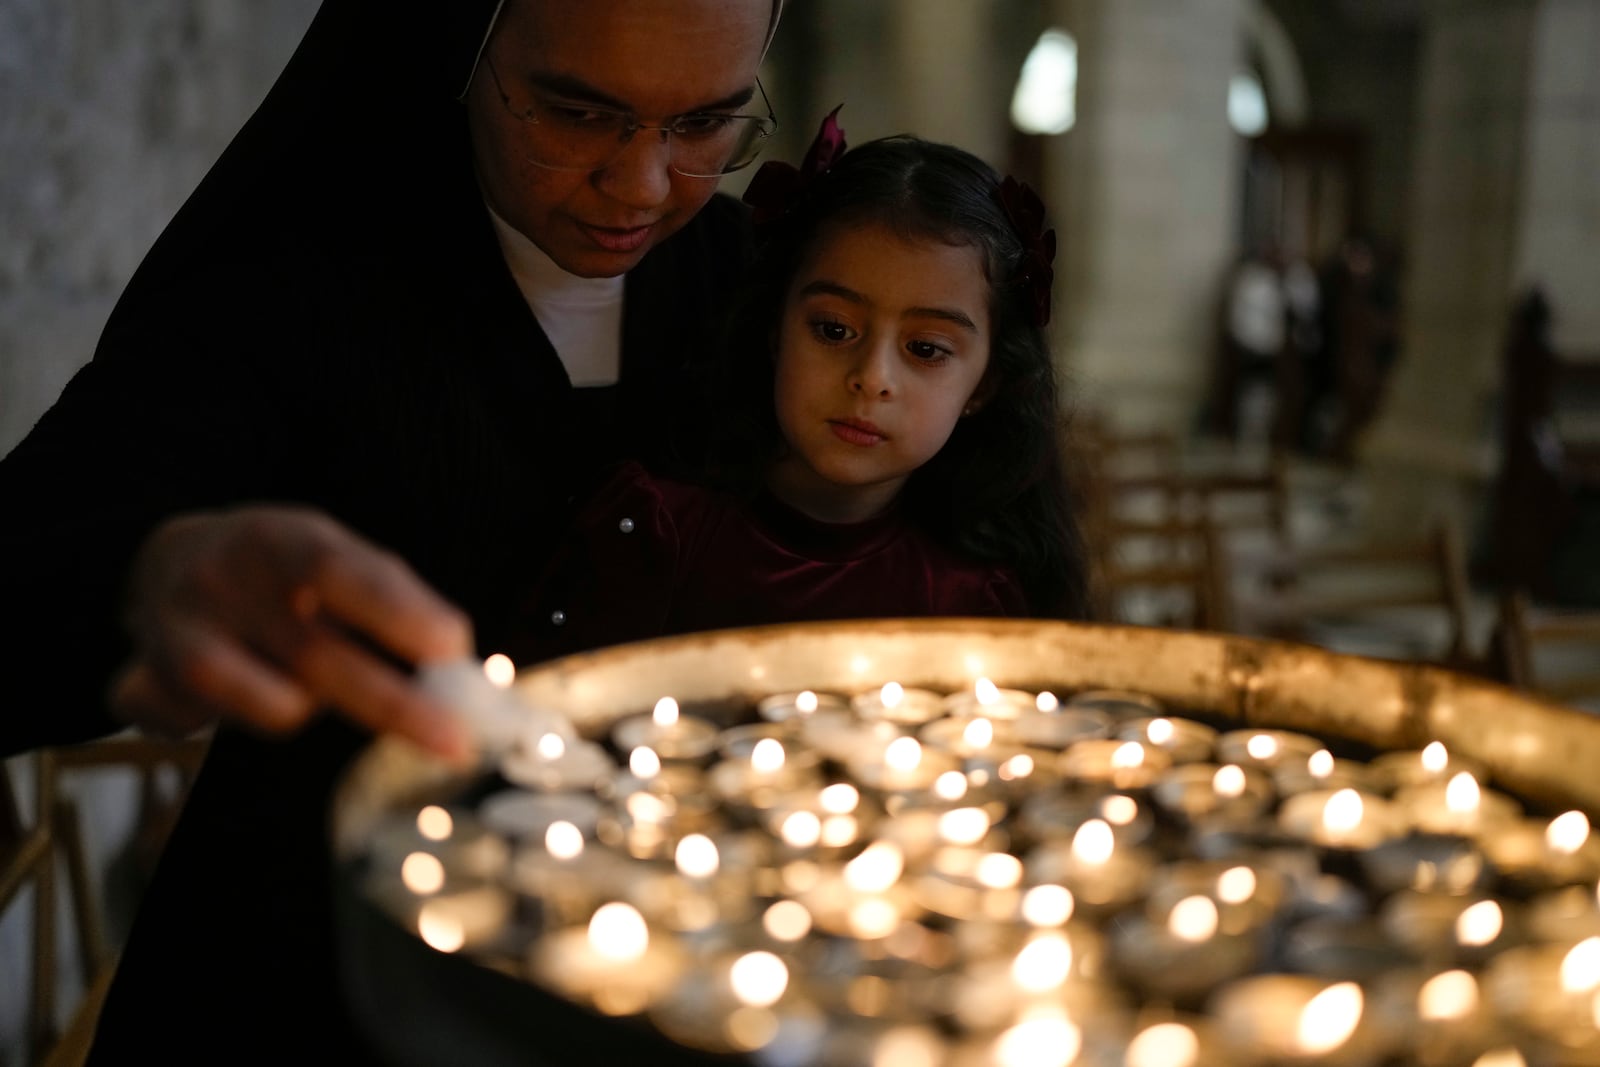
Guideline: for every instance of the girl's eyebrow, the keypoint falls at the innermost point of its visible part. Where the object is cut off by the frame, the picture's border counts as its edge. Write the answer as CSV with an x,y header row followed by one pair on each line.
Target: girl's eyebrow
x,y
823,287
577,90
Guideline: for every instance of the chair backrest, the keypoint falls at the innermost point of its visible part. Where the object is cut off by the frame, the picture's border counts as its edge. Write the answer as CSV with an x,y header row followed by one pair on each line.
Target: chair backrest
x,y
1556,654
1402,600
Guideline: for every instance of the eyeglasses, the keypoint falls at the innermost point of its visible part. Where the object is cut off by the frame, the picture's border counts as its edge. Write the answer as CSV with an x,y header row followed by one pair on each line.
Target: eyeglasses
x,y
566,135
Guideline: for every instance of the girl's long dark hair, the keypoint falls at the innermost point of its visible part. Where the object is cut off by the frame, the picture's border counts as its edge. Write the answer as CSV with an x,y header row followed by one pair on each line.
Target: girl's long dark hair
x,y
997,491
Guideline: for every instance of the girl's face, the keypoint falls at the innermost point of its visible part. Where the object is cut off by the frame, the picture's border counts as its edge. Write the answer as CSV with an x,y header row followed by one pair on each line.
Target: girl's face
x,y
883,343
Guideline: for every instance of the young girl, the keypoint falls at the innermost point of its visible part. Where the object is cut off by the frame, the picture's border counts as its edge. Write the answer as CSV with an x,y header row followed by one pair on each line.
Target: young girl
x,y
887,416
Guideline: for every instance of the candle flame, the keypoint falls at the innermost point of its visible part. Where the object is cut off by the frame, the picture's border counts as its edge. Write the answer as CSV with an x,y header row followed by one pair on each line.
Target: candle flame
x,y
666,712
787,920
1046,701
1119,810
964,826
1164,1045
806,702
1580,968
1229,781
1320,763
1018,766
759,979
1448,996
617,932
1236,885
439,929
874,918
644,763
877,868
1461,795
903,754
951,785
1500,1057
1127,756
434,823
1039,1042
551,747
978,733
696,856
1193,919
839,830
1093,843
768,756
1160,731
1261,746
1567,833
999,870
1330,1018
1047,905
801,829
1480,924
987,692
500,671
1435,758
840,798
892,694
563,840
1343,812
1044,963
422,873
648,808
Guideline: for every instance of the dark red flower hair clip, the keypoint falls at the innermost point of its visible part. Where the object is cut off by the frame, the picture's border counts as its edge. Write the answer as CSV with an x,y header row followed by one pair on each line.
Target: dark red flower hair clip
x,y
1026,212
777,186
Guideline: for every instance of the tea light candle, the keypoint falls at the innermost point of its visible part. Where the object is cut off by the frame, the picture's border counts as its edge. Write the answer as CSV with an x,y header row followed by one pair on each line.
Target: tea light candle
x,y
1569,913
1117,764
1460,806
566,876
1118,704
1060,729
615,963
970,883
1295,1019
897,704
967,735
1549,992
460,916
1182,1041
1440,1013
1185,740
1247,897
840,736
1101,876
1351,948
1440,863
762,778
668,732
521,815
1321,771
1181,954
1344,818
1206,791
1442,930
990,701
903,765
453,839
865,899
1533,854
1058,815
551,763
1266,749
1432,765
786,707
728,1005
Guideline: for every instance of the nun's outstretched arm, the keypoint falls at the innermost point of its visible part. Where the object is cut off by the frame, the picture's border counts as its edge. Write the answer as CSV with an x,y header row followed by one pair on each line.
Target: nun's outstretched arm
x,y
267,616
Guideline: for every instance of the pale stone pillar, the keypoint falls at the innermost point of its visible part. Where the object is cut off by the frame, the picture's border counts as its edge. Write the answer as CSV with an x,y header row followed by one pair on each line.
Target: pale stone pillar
x,y
945,73
1145,187
1504,194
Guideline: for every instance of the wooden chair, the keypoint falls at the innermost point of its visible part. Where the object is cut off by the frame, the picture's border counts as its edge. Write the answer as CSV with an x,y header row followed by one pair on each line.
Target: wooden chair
x,y
1401,600
1555,654
29,855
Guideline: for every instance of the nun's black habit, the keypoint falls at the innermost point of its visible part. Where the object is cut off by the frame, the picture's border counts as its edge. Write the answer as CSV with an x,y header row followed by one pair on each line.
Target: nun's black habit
x,y
327,321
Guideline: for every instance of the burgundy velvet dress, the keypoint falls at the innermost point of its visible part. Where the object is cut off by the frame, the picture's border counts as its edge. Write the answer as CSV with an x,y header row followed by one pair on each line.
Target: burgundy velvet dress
x,y
649,557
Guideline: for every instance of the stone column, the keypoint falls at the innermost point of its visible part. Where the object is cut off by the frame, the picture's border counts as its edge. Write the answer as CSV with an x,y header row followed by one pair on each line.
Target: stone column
x,y
1145,186
946,77
1432,448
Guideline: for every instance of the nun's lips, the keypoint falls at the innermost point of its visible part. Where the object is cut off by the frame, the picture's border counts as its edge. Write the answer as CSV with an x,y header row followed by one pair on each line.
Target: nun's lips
x,y
618,239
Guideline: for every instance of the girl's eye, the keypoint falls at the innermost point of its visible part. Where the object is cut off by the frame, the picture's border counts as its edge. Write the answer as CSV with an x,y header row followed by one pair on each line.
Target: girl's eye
x,y
927,351
830,331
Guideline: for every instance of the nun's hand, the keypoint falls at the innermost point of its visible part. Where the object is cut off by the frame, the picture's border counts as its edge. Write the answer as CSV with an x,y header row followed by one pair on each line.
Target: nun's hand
x,y
264,616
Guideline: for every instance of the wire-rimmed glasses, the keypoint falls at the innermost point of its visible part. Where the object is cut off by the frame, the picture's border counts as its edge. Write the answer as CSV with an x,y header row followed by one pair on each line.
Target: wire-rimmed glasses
x,y
567,135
